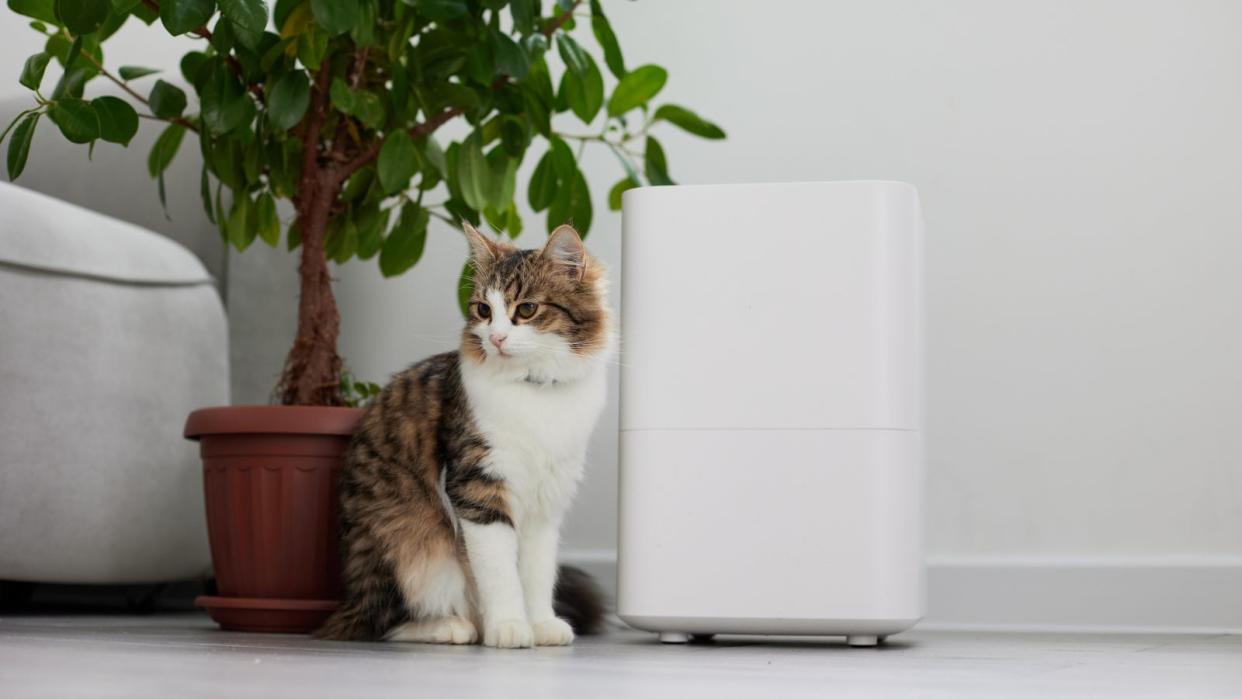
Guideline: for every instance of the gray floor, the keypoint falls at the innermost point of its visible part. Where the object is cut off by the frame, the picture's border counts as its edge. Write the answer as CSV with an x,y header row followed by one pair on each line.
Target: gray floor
x,y
183,655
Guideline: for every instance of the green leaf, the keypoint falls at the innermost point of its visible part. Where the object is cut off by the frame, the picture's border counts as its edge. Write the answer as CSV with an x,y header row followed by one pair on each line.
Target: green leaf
x,y
405,243
19,146
364,29
473,172
268,223
204,192
342,240
688,121
515,221
536,45
514,136
110,26
572,204
498,220
335,16
453,95
625,163
397,162
636,88
502,178
240,225
167,100
576,60
614,194
225,104
222,36
282,10
274,54
562,158
465,288
181,16
312,47
542,184
61,48
222,216
434,154
523,12
13,123
461,212
32,71
76,118
165,149
607,40
369,109
585,93
371,224
77,70
190,64
443,10
247,14
510,58
135,72
121,7
82,16
342,97
581,206
118,122
245,38
44,10
145,13
657,167
288,99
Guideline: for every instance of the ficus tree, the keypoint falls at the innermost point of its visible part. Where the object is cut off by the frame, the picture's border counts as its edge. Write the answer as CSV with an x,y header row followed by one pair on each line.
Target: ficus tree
x,y
335,105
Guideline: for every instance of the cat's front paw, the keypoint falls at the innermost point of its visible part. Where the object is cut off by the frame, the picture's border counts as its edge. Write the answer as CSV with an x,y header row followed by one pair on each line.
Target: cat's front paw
x,y
553,632
511,633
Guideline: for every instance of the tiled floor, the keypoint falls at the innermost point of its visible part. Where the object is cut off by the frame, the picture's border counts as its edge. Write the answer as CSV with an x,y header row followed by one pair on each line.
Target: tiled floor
x,y
183,655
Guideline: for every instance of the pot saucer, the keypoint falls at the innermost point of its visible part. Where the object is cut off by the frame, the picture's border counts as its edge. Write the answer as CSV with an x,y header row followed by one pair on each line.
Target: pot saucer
x,y
266,614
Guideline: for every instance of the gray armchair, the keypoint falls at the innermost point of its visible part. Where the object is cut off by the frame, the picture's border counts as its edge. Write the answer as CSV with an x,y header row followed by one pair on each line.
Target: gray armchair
x,y
109,335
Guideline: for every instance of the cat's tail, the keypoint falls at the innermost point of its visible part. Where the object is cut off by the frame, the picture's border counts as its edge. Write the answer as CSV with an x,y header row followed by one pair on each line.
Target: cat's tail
x,y
367,618
346,624
579,601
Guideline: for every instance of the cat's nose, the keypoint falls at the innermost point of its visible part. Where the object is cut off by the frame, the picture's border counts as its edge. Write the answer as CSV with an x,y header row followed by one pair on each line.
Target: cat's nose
x,y
498,339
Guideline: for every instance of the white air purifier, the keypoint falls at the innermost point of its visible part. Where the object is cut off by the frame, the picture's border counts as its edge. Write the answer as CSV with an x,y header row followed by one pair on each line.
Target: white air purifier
x,y
771,477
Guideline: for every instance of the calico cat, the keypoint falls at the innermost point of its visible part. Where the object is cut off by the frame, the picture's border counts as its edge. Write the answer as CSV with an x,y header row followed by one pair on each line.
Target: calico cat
x,y
455,485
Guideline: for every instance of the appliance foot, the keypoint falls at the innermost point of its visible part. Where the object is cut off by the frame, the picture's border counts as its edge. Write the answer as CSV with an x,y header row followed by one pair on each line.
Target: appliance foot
x,y
674,637
862,641
702,637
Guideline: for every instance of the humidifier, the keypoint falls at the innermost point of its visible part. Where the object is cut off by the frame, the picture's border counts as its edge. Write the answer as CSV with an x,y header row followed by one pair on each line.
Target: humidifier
x,y
771,474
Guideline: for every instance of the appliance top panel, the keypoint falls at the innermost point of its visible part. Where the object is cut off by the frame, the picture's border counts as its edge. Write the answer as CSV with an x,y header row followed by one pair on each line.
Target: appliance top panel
x,y
772,306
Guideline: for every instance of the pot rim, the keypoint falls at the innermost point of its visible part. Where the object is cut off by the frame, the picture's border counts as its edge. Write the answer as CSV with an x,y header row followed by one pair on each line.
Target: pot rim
x,y
272,419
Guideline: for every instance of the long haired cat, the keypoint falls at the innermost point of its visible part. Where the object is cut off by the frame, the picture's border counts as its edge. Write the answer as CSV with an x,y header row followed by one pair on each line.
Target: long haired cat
x,y
462,468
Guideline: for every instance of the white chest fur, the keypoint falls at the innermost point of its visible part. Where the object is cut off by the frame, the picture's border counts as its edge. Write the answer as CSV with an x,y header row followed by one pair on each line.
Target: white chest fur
x,y
537,433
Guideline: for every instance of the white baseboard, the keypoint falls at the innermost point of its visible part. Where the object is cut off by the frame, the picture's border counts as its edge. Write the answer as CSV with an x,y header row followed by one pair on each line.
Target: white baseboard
x,y
1160,594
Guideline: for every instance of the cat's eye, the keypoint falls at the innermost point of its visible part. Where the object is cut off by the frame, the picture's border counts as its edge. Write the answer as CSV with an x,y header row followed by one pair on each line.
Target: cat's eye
x,y
526,310
484,310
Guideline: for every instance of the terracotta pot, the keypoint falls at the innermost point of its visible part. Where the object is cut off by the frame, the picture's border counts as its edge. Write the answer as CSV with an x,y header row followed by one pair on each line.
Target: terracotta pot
x,y
270,480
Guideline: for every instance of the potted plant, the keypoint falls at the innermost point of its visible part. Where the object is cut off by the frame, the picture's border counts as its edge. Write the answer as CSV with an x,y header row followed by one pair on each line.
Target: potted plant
x,y
334,105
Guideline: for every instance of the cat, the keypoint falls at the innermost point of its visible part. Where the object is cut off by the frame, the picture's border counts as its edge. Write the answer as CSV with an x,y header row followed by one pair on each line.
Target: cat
x,y
456,482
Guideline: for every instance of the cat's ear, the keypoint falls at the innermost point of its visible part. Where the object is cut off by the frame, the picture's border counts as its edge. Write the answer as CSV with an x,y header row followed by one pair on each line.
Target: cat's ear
x,y
482,250
565,248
